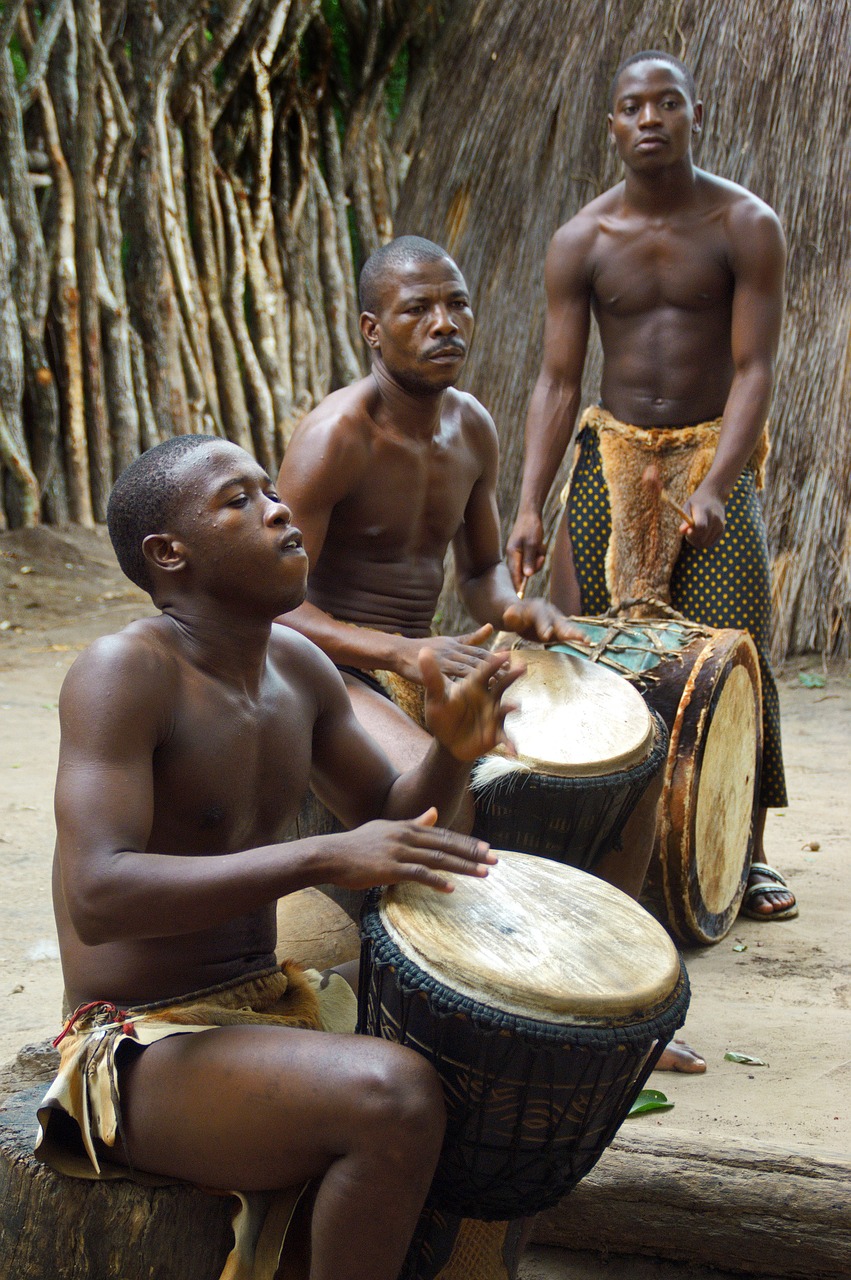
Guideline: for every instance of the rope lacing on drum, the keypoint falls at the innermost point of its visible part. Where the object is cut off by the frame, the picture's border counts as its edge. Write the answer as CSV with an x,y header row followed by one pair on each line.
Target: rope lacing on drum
x,y
646,629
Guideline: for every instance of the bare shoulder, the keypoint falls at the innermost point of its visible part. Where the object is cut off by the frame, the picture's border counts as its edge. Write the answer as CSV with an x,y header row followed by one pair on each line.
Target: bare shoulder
x,y
476,422
342,416
751,224
307,670
571,249
337,433
127,677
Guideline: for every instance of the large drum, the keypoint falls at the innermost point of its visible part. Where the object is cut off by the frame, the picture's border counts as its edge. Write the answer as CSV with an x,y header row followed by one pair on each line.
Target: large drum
x,y
706,686
543,997
587,748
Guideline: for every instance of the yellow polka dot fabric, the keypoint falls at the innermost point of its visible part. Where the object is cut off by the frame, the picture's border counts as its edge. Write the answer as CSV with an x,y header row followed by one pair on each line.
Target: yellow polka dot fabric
x,y
727,586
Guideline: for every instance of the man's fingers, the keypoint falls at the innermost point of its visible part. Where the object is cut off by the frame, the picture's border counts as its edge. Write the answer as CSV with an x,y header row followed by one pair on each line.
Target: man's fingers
x,y
433,842
432,673
477,637
514,559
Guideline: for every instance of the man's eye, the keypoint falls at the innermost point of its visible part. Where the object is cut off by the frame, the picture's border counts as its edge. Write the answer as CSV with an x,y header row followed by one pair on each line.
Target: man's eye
x,y
239,501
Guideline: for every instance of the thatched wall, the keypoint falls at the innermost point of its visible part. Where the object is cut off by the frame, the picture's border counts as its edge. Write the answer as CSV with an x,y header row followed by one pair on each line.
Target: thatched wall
x,y
513,144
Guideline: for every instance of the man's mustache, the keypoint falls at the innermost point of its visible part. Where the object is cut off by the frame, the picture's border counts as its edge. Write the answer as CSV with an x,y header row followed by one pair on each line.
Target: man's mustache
x,y
447,348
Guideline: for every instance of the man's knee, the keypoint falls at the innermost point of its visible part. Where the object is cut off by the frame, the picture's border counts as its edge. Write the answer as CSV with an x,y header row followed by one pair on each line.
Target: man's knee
x,y
402,1098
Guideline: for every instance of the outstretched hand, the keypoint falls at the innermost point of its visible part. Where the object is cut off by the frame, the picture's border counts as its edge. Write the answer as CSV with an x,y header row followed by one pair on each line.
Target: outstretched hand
x,y
456,656
467,716
387,852
539,620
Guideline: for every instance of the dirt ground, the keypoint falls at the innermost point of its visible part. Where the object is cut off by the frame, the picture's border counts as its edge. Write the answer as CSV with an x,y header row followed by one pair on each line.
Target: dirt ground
x,y
780,992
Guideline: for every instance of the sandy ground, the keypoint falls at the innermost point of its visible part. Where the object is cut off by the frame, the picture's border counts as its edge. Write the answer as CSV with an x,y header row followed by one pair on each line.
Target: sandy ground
x,y
781,992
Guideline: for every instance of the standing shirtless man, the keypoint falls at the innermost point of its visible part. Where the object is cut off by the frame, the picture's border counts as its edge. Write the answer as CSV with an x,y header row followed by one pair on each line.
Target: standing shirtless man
x,y
188,742
683,272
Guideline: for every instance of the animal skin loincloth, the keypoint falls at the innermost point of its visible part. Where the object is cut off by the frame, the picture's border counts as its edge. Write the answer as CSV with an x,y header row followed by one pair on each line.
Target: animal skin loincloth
x,y
96,1040
645,539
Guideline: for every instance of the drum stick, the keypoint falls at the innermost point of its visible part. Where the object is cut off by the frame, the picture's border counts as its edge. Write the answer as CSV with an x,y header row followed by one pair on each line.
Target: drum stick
x,y
521,590
650,476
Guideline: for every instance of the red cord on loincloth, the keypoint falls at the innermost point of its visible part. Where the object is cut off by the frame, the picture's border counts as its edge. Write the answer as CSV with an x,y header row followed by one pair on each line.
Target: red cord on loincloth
x,y
120,1016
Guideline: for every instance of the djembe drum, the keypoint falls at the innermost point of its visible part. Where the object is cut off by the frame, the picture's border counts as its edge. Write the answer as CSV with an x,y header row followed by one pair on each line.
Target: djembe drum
x,y
587,748
543,997
706,686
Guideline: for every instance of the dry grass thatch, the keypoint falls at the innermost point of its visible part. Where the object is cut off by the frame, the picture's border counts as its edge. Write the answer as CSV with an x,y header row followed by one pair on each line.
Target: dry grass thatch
x,y
513,144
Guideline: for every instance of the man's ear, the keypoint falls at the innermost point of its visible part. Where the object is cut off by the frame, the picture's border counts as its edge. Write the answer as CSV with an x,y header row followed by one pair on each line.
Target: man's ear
x,y
698,118
610,120
164,552
369,330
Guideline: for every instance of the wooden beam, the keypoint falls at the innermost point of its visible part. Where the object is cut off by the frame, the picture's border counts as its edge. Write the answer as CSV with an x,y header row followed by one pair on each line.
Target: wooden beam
x,y
742,1206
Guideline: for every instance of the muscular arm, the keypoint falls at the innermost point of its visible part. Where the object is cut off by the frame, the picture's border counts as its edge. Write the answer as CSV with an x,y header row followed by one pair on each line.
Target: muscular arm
x,y
758,258
116,711
555,399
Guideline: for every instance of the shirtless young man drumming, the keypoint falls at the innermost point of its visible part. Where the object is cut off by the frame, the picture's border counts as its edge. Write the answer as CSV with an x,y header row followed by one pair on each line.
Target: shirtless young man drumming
x,y
188,742
683,272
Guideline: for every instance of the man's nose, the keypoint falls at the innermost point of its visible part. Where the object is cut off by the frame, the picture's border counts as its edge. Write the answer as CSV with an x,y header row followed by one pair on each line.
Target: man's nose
x,y
648,115
443,321
277,512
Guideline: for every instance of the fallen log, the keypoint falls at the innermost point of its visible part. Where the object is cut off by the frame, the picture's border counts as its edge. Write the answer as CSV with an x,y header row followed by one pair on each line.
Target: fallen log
x,y
742,1206
71,1229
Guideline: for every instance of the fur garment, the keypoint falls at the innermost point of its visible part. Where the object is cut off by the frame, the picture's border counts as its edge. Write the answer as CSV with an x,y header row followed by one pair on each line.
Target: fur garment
x,y
646,538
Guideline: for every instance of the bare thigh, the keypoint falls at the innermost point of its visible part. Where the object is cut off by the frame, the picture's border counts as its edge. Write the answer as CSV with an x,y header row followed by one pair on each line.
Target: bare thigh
x,y
259,1107
404,742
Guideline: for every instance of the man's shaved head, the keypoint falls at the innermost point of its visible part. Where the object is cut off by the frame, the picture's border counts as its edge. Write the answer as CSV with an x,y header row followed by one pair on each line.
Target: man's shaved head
x,y
653,55
143,499
389,258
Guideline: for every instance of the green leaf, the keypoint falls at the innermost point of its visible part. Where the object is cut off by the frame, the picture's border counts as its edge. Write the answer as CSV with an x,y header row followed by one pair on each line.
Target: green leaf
x,y
740,946
811,680
745,1058
649,1100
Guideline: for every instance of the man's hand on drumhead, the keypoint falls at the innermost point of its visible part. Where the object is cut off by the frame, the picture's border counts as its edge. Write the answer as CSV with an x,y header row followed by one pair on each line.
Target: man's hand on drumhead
x,y
539,620
456,656
467,717
386,852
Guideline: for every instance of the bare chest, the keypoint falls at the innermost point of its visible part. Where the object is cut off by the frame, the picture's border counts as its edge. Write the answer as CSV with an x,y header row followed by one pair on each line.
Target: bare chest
x,y
232,772
412,499
658,267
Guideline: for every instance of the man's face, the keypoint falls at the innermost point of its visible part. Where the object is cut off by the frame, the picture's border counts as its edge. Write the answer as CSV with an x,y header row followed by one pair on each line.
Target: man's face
x,y
236,533
423,328
653,118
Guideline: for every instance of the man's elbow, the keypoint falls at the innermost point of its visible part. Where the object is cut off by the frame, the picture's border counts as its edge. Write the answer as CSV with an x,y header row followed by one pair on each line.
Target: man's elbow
x,y
94,915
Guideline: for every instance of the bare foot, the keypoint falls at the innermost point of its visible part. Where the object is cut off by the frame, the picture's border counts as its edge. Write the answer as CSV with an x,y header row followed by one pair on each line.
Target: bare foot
x,y
679,1056
776,899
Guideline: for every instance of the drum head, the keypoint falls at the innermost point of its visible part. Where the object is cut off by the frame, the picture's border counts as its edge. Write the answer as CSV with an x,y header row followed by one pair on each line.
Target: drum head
x,y
576,719
536,939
